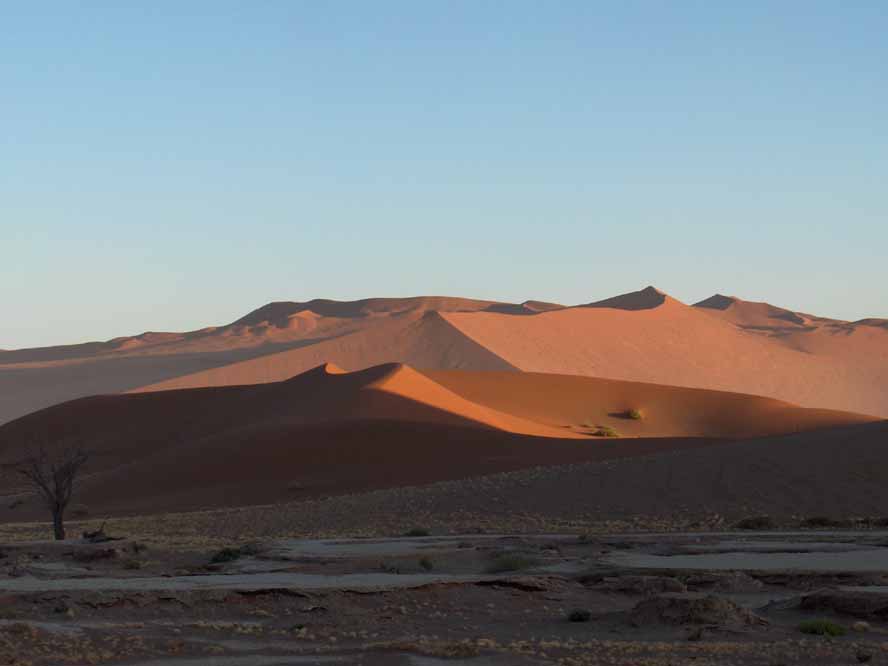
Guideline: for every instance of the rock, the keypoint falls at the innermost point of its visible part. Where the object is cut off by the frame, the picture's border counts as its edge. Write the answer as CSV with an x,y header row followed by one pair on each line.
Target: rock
x,y
860,626
692,609
863,656
872,605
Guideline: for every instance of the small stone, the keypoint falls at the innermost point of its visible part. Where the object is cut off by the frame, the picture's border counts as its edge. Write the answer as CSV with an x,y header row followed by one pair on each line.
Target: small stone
x,y
863,656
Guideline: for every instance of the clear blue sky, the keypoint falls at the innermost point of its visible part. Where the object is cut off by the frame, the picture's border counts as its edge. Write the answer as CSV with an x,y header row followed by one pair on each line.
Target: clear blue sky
x,y
175,165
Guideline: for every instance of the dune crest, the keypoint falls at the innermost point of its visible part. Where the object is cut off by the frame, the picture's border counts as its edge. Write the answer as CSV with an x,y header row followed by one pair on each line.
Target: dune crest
x,y
645,299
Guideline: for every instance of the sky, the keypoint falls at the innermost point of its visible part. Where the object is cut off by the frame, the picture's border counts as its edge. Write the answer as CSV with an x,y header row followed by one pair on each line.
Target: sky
x,y
173,165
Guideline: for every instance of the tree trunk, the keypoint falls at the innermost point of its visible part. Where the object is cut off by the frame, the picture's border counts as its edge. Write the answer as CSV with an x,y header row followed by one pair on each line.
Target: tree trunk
x,y
58,524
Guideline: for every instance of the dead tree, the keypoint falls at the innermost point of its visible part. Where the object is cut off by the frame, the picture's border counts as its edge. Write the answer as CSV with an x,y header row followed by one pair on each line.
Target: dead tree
x,y
52,475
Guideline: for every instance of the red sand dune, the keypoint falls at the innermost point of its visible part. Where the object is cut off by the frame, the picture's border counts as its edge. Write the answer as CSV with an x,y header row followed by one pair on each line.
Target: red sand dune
x,y
356,335
333,432
423,341
672,343
722,343
667,411
644,336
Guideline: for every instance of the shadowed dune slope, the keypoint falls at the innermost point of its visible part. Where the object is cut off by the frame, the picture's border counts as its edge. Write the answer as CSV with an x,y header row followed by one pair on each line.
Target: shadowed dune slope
x,y
280,463
645,299
275,323
838,472
357,335
328,431
423,341
761,316
124,428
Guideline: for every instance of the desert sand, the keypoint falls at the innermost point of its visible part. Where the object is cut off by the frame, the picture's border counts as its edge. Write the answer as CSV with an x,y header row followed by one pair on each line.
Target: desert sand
x,y
328,432
721,343
490,426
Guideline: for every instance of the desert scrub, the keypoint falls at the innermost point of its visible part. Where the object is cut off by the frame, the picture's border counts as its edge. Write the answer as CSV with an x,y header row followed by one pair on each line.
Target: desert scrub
x,y
755,523
634,414
232,554
579,615
226,555
821,628
825,521
417,532
426,563
605,431
506,562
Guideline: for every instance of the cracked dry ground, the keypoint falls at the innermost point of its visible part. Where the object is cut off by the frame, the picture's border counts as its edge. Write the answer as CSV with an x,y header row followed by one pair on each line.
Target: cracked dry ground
x,y
468,616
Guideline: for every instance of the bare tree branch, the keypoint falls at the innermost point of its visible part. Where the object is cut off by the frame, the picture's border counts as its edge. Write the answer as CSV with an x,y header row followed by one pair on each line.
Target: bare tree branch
x,y
53,475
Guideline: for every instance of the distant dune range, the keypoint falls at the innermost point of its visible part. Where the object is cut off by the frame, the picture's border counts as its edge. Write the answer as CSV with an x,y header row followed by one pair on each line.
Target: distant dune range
x,y
644,336
328,432
721,343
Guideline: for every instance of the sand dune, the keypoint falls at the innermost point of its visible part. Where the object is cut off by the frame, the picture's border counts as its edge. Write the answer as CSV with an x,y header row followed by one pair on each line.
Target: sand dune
x,y
34,379
763,317
329,431
645,299
645,336
667,411
274,323
672,343
422,340
722,343
837,472
128,427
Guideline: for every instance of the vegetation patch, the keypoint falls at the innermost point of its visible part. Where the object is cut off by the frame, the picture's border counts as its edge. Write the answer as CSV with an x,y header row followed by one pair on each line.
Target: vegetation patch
x,y
579,615
426,563
825,521
633,414
417,532
232,554
605,431
755,523
821,628
226,555
506,562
